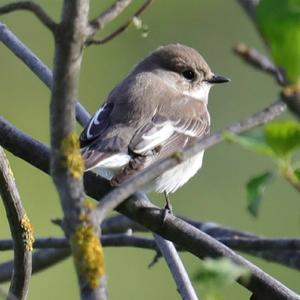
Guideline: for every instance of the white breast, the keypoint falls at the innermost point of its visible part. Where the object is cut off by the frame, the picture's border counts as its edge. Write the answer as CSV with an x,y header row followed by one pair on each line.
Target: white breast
x,y
168,182
173,179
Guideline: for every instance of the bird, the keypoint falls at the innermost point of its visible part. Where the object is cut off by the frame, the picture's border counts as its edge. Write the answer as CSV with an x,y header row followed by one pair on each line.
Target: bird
x,y
158,109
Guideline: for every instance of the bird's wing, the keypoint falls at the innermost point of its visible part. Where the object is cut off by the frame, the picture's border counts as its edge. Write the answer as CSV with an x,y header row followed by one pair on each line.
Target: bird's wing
x,y
170,130
103,140
172,127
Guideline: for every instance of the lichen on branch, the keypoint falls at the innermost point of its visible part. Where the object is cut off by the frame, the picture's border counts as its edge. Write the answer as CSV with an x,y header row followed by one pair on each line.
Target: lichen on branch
x,y
88,254
71,157
28,237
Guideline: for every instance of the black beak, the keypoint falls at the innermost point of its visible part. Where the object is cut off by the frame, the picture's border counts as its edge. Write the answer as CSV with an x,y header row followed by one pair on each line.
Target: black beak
x,y
218,79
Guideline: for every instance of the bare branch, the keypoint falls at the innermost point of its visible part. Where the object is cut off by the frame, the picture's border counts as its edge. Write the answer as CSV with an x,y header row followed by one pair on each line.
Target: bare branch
x,y
47,258
249,7
32,7
67,165
122,28
36,66
257,60
244,242
6,295
178,271
108,240
262,244
20,228
108,15
41,260
119,194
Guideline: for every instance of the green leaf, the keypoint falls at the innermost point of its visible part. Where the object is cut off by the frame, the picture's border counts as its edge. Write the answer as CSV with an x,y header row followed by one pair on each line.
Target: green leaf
x,y
283,137
255,189
218,273
279,23
297,173
254,141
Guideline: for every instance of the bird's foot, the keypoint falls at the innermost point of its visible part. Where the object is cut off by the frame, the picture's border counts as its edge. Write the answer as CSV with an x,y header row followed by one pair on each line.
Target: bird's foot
x,y
168,207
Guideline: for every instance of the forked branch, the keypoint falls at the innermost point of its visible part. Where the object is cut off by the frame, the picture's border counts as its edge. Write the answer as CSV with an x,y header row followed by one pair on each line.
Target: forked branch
x,y
261,62
122,28
107,16
36,9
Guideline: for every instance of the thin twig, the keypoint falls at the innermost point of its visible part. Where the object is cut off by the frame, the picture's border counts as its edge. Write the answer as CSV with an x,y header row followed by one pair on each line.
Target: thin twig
x,y
122,28
20,228
36,66
259,61
240,243
249,7
41,260
49,258
108,240
6,295
139,209
178,271
119,194
108,16
32,7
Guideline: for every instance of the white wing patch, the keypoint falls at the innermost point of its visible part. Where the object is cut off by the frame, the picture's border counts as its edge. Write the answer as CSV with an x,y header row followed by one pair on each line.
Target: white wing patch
x,y
94,121
111,165
154,137
118,160
160,133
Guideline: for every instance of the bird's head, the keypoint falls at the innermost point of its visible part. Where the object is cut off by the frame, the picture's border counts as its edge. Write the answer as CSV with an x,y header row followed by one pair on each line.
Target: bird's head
x,y
182,68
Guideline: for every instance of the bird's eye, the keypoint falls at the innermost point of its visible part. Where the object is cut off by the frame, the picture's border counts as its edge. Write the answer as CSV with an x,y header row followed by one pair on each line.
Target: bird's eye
x,y
189,74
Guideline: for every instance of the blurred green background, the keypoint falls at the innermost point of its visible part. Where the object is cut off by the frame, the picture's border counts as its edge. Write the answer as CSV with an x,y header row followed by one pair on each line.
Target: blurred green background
x,y
216,194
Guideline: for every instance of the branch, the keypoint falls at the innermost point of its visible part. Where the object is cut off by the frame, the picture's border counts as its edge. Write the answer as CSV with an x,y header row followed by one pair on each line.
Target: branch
x,y
259,61
240,243
178,271
32,7
36,66
47,258
20,228
122,28
6,295
107,16
67,165
249,7
119,194
41,260
108,240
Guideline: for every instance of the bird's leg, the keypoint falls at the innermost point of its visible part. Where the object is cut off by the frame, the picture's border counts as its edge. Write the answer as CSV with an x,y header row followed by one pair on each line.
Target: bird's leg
x,y
168,206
